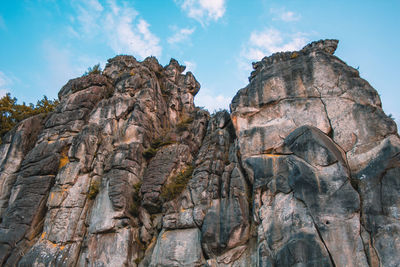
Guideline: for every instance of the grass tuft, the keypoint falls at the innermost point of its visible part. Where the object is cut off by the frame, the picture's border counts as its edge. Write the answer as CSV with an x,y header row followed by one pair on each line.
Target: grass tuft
x,y
96,69
183,125
134,209
177,185
157,143
294,55
94,189
149,153
154,146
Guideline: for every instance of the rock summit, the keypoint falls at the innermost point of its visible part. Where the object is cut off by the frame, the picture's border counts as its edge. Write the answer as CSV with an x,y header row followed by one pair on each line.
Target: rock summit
x,y
303,171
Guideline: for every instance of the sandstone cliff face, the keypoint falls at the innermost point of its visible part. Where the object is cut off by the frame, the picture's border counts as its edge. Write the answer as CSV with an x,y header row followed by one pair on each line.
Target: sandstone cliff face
x,y
304,171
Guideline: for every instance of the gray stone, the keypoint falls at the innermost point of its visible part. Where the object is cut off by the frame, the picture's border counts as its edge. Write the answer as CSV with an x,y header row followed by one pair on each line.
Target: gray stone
x,y
108,249
168,161
304,171
78,84
178,248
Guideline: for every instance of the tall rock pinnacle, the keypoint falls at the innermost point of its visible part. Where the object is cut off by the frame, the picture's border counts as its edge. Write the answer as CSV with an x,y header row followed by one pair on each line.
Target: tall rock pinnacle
x,y
304,171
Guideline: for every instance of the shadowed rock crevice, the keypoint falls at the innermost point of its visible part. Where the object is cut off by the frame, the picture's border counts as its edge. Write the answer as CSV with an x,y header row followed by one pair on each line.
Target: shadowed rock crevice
x,y
321,238
348,117
304,171
330,133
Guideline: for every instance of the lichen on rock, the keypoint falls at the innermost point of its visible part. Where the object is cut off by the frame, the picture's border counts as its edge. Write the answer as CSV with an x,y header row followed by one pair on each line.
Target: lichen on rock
x,y
127,171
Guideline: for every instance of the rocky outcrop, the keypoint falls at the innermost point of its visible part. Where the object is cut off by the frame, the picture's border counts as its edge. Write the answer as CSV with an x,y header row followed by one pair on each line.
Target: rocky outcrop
x,y
68,181
304,171
312,133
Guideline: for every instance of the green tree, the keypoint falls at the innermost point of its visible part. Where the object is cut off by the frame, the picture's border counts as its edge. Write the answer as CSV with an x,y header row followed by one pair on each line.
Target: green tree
x,y
93,70
7,113
12,113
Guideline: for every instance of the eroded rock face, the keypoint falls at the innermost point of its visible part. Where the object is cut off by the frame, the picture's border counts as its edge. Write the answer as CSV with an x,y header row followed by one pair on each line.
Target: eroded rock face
x,y
308,189
314,136
304,171
68,179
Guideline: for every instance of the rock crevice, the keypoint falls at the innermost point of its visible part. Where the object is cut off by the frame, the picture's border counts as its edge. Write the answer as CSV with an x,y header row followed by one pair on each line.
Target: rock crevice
x,y
127,171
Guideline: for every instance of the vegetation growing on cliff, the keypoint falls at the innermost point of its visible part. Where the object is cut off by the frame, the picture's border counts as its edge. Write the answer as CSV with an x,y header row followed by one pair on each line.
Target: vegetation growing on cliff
x,y
96,69
183,124
155,145
12,113
94,189
134,209
177,184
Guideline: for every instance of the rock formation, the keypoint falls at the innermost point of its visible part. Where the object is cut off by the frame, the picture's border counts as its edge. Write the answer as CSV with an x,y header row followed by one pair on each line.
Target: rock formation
x,y
304,171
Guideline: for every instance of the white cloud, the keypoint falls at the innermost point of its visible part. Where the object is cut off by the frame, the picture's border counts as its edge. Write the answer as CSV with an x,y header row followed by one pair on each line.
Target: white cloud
x,y
3,78
95,5
72,32
117,24
60,66
190,66
3,92
203,10
282,14
264,43
5,82
289,16
211,101
181,35
88,16
269,41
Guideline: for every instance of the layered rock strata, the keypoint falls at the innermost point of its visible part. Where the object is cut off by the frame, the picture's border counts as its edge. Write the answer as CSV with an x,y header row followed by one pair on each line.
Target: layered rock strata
x,y
304,171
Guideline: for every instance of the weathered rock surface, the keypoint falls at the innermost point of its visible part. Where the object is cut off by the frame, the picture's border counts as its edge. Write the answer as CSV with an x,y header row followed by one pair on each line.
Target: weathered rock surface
x,y
304,171
310,127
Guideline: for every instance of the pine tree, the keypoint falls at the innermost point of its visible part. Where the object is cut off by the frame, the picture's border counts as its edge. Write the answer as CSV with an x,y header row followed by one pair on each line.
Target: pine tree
x,y
12,113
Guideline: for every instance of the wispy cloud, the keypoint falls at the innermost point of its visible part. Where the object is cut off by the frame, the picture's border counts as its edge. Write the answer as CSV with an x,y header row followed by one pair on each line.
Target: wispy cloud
x,y
211,101
203,11
5,82
118,24
125,37
190,66
180,35
88,16
284,15
264,43
270,40
60,65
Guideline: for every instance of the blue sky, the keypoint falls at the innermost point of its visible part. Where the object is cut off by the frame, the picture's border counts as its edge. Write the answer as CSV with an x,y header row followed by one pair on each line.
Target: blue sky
x,y
44,43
